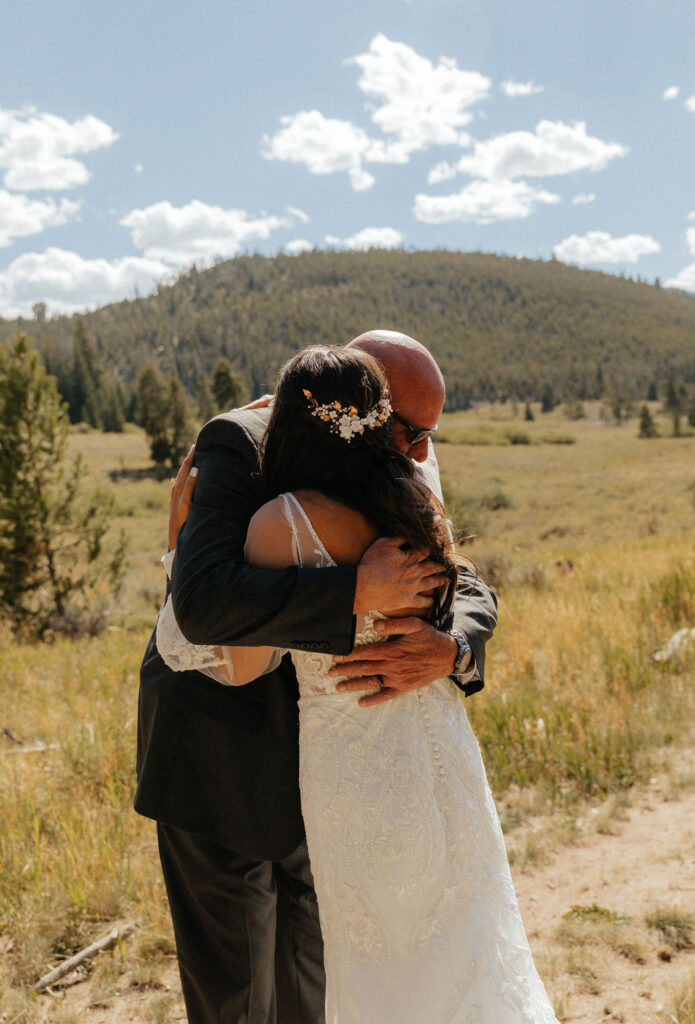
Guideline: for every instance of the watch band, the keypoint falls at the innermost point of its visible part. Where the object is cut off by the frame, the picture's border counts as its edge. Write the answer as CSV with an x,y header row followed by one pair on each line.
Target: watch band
x,y
463,649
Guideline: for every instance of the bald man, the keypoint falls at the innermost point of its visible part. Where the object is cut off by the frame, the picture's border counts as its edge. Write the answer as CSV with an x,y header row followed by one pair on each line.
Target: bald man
x,y
218,766
417,653
416,384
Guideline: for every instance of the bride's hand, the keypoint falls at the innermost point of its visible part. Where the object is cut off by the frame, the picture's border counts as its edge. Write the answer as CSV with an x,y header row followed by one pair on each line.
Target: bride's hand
x,y
389,577
181,493
415,655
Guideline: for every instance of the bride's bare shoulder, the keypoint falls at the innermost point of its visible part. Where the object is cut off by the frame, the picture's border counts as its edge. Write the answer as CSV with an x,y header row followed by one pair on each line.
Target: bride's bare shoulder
x,y
269,537
345,533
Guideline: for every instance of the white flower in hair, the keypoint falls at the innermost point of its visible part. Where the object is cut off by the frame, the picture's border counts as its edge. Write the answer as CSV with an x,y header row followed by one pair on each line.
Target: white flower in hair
x,y
347,422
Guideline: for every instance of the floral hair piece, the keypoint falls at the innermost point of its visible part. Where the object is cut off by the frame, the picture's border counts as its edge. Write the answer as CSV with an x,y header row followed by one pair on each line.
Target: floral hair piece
x,y
345,421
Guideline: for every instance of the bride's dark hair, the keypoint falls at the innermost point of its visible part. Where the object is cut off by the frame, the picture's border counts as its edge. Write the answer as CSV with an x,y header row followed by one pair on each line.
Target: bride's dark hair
x,y
369,474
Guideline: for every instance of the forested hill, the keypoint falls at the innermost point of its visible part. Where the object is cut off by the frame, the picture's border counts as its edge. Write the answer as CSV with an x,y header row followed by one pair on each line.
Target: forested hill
x,y
497,325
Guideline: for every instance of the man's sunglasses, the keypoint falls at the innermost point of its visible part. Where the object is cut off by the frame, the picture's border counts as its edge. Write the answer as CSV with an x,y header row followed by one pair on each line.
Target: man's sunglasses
x,y
416,435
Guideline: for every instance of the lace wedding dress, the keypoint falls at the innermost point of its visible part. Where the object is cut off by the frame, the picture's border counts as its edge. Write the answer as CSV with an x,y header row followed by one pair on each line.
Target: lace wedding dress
x,y
418,912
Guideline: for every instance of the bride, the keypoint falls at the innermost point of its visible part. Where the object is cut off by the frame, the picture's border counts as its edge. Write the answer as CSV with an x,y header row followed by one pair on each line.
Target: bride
x,y
418,912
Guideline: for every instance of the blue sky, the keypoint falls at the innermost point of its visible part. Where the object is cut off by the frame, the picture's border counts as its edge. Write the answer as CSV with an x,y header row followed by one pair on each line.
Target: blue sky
x,y
138,138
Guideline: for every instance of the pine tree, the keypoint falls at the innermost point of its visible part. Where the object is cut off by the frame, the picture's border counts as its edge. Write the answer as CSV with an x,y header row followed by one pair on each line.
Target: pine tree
x,y
206,408
112,410
673,403
85,395
547,398
180,430
690,409
163,413
54,571
228,387
647,426
151,411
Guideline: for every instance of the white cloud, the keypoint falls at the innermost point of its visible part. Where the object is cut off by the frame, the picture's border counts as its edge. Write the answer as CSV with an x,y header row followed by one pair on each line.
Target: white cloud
x,y
323,144
483,202
298,245
419,104
369,238
513,89
21,216
671,92
195,232
690,104
67,282
294,211
599,247
685,279
414,103
37,150
138,168
583,197
554,148
690,239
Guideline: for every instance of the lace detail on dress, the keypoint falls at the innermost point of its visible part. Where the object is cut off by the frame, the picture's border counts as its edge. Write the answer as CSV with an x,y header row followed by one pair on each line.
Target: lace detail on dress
x,y
226,665
176,652
318,557
418,911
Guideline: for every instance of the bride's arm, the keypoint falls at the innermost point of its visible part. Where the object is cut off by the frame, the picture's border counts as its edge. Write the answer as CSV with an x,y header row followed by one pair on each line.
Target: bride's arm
x,y
232,666
268,546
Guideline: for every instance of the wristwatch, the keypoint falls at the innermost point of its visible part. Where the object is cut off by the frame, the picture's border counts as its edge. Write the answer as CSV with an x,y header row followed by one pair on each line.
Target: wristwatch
x,y
463,649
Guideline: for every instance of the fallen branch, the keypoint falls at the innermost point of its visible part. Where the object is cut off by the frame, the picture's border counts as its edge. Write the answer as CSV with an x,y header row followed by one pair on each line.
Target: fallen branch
x,y
115,935
38,748
10,734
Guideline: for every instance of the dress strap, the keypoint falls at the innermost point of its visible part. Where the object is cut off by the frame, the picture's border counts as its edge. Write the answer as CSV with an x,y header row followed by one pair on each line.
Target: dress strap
x,y
296,546
290,503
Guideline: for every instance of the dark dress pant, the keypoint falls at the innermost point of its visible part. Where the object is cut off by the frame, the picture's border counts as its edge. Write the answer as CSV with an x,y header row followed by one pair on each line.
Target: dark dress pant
x,y
247,933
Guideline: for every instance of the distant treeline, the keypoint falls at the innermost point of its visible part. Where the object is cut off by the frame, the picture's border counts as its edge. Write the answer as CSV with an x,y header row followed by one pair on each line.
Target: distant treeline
x,y
499,328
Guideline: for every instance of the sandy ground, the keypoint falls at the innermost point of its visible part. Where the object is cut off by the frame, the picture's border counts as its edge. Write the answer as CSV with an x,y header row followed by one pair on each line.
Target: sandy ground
x,y
646,864
641,861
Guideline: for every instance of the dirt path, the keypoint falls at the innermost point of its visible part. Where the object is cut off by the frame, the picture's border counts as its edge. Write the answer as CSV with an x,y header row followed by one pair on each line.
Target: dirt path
x,y
646,864
600,971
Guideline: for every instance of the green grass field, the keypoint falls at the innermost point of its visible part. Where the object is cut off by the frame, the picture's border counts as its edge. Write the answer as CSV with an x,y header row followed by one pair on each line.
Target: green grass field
x,y
585,530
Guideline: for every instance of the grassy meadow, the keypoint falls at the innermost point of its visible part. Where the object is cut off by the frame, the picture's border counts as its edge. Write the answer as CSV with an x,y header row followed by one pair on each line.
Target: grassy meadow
x,y
585,531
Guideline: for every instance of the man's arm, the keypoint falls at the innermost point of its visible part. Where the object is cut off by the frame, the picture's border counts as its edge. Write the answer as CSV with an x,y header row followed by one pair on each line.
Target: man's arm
x,y
220,600
217,597
414,653
475,616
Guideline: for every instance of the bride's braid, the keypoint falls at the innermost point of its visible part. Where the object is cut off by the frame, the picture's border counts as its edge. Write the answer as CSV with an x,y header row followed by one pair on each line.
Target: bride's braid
x,y
305,446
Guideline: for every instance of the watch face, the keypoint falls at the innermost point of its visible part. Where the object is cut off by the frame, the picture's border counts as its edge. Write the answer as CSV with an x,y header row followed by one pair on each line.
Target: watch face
x,y
463,648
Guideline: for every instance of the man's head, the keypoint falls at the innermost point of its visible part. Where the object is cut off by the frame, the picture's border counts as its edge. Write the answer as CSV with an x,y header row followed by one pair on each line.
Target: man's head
x,y
416,385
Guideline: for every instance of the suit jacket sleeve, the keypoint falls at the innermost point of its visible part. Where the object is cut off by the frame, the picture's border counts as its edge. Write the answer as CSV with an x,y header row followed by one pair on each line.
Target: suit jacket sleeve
x,y
475,607
475,615
217,597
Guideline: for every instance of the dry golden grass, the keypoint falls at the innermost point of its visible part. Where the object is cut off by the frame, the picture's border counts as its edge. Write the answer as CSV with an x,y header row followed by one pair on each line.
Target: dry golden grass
x,y
593,558
682,1010
590,545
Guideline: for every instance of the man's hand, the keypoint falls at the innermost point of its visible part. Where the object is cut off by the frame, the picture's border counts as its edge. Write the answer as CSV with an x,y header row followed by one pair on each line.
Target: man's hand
x,y
182,487
389,577
416,655
259,403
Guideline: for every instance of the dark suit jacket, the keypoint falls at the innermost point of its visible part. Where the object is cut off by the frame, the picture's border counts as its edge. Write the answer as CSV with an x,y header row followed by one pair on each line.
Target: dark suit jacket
x,y
222,761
